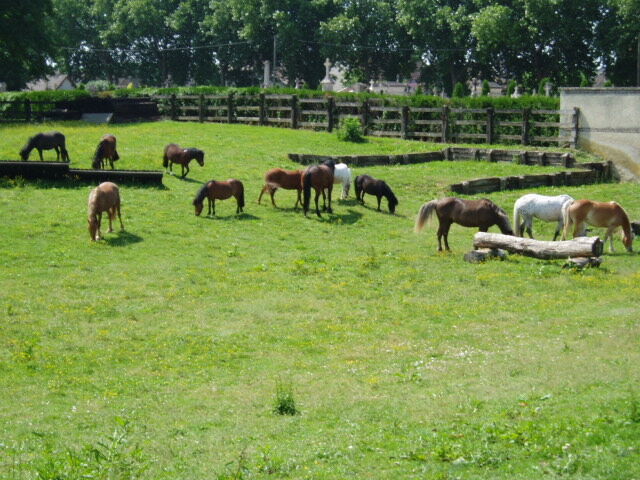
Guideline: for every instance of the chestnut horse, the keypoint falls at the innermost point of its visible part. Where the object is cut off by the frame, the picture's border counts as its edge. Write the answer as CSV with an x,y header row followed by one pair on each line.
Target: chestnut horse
x,y
367,184
609,215
106,150
46,141
175,154
481,213
320,177
213,190
104,198
279,178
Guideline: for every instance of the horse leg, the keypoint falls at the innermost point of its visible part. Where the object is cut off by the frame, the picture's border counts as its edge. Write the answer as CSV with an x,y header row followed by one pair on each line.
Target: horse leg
x,y
111,213
213,207
445,234
120,217
99,219
298,200
329,192
379,197
40,153
261,193
324,201
610,235
317,208
529,223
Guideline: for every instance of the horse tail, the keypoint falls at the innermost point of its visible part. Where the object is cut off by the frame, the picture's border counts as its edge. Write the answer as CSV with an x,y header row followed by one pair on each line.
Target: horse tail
x,y
165,160
240,195
566,218
356,187
115,155
425,213
306,190
516,219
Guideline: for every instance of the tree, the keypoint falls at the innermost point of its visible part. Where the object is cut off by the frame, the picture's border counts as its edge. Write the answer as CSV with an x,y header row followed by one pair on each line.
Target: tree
x,y
617,39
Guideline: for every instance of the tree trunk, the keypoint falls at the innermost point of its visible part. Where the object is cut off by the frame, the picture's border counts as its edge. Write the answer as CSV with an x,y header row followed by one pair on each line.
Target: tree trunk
x,y
578,247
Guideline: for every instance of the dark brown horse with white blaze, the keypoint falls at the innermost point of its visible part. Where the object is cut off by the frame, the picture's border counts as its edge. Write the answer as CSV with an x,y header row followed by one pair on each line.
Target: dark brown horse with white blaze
x,y
481,213
104,198
214,190
609,215
106,150
46,141
279,178
176,154
320,178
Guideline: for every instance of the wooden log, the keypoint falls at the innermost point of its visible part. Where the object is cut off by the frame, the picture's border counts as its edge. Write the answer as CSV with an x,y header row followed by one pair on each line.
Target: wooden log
x,y
582,262
578,247
482,254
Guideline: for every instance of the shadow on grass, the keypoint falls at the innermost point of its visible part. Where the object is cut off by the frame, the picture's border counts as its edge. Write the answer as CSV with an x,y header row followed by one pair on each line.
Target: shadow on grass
x,y
351,217
20,182
185,179
122,239
239,216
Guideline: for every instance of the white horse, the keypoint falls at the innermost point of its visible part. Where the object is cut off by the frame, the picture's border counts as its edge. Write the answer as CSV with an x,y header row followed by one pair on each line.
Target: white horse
x,y
342,174
548,209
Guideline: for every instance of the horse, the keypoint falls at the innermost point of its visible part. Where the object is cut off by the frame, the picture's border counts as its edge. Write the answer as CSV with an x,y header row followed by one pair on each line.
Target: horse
x,y
279,178
609,215
106,150
175,154
320,177
104,198
367,184
213,190
46,141
342,174
481,213
548,209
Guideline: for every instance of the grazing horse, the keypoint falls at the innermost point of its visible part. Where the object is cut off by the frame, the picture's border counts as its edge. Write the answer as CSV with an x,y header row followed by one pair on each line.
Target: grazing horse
x,y
481,213
279,178
609,215
46,141
342,174
548,209
106,150
213,190
175,154
104,198
320,177
367,184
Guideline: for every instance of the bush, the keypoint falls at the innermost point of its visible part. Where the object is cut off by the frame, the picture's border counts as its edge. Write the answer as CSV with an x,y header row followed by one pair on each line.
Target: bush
x,y
350,130
486,88
459,90
95,86
284,404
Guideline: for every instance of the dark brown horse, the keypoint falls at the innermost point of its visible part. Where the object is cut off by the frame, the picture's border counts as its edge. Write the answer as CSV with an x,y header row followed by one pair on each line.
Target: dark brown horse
x,y
106,150
367,184
176,154
104,198
279,178
481,213
46,141
213,190
320,177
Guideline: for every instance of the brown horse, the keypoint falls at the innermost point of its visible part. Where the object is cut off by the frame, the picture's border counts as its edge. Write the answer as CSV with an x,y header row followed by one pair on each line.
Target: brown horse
x,y
106,150
104,198
609,215
320,177
481,213
279,178
213,190
46,141
175,154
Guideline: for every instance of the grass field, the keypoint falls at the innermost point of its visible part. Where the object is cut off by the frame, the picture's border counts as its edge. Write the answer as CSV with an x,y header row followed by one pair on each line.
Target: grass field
x,y
164,352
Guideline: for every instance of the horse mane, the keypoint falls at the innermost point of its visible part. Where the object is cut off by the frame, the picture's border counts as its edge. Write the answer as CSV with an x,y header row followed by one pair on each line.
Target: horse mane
x,y
201,195
387,192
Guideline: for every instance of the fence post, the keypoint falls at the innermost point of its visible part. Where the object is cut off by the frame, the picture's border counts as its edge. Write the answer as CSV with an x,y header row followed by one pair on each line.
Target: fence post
x,y
174,107
365,116
262,111
230,108
330,112
404,126
575,122
294,111
526,113
201,108
27,110
445,124
490,125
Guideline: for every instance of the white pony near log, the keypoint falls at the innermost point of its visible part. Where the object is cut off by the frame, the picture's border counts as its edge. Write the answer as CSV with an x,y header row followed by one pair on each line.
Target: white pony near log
x,y
342,174
547,209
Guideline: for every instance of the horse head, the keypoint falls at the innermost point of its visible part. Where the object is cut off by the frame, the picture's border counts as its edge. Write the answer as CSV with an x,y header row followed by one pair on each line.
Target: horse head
x,y
93,226
24,152
502,220
627,240
331,164
391,198
199,156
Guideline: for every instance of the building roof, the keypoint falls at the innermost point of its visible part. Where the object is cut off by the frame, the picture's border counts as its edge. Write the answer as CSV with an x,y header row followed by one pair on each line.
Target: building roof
x,y
50,82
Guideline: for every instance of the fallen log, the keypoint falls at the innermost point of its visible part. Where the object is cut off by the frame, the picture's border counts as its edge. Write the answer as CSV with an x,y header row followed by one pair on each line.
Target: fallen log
x,y
482,254
578,247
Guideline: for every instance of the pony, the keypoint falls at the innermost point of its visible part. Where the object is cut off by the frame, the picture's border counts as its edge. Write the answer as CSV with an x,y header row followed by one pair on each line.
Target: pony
x,y
320,177
342,174
213,190
175,154
106,150
104,198
609,215
46,141
548,209
279,178
481,213
367,184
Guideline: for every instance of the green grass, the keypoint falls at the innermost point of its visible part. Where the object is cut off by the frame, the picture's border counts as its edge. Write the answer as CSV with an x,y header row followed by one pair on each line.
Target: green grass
x,y
159,353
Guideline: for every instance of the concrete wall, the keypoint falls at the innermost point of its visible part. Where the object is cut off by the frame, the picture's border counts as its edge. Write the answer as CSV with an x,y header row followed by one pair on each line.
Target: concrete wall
x,y
609,124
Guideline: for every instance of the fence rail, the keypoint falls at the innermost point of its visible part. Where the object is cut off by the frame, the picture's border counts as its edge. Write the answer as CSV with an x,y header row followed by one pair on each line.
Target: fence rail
x,y
378,116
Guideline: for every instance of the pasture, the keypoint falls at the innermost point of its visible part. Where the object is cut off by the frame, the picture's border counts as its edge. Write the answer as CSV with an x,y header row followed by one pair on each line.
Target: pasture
x,y
164,352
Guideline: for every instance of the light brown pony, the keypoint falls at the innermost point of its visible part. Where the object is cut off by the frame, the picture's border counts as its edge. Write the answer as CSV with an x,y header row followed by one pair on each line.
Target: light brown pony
x,y
213,190
106,150
609,215
279,178
104,198
176,154
320,177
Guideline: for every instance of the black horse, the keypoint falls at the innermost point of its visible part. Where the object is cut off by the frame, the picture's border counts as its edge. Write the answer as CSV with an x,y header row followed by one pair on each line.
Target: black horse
x,y
367,184
46,141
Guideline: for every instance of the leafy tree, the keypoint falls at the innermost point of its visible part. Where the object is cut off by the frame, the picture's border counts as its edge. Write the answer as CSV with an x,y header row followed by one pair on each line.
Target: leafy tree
x,y
486,88
617,38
